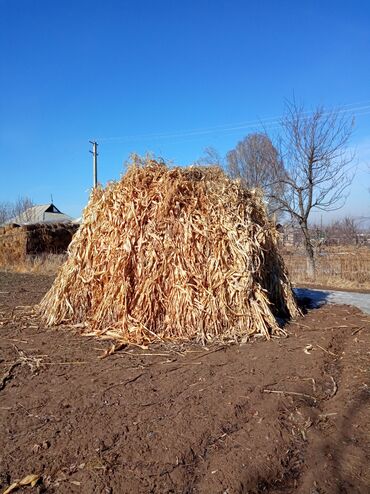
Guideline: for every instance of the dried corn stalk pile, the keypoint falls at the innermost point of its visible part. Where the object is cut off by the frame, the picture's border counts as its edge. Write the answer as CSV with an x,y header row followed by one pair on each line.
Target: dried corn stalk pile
x,y
182,253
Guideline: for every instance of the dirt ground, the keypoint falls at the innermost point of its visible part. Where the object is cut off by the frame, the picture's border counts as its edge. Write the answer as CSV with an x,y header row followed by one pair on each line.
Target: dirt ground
x,y
290,415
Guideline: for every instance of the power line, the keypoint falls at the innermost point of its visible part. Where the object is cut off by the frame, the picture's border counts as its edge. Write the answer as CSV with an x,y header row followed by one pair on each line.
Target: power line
x,y
267,122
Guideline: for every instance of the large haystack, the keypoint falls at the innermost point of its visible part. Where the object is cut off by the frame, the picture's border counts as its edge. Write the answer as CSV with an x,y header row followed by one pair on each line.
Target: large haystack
x,y
182,253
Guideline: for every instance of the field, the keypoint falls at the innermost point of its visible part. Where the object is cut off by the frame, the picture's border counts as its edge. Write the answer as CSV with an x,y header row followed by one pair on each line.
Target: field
x,y
337,267
288,415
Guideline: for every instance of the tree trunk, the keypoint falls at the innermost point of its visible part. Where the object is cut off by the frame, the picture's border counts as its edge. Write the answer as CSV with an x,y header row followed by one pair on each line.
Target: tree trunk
x,y
310,255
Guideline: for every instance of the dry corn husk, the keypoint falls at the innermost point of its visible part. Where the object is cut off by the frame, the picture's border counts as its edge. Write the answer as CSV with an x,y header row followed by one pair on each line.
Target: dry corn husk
x,y
172,254
27,480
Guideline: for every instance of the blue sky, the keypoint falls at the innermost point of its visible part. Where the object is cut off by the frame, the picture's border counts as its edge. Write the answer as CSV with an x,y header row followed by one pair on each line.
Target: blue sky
x,y
167,77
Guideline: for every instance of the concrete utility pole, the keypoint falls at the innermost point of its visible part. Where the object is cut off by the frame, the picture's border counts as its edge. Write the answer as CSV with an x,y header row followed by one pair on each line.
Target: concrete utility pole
x,y
94,152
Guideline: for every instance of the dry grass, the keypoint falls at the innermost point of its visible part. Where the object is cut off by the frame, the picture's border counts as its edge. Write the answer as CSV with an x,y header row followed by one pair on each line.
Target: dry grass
x,y
38,264
36,248
172,254
337,266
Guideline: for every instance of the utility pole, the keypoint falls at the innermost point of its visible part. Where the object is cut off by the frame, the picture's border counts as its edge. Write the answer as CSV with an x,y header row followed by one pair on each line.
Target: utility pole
x,y
94,152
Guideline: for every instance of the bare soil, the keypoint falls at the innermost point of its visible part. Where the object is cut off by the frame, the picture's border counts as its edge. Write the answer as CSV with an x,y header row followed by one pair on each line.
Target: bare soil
x,y
290,415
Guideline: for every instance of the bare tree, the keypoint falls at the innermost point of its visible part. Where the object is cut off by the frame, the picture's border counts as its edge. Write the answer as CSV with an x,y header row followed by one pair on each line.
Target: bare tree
x,y
5,212
22,206
10,210
350,230
317,161
257,162
343,231
210,157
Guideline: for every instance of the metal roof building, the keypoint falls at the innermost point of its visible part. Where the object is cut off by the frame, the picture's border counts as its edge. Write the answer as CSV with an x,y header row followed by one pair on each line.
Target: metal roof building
x,y
44,213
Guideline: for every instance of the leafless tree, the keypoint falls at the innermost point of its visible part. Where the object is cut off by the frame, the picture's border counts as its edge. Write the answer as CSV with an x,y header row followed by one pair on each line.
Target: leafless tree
x,y
22,206
343,231
257,162
317,164
9,210
211,157
350,229
5,208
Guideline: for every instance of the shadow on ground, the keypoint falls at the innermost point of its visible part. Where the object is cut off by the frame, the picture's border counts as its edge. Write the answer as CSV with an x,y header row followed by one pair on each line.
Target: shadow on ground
x,y
310,299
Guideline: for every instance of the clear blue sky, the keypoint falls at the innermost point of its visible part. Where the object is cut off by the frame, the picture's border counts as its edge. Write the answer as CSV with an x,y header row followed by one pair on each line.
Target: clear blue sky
x,y
147,72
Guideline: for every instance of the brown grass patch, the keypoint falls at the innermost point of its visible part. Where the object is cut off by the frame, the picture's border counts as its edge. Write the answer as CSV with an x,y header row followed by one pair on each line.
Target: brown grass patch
x,y
38,264
337,266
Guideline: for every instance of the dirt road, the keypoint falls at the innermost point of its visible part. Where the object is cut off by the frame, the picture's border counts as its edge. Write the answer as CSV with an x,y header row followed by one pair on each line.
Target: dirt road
x,y
319,297
282,416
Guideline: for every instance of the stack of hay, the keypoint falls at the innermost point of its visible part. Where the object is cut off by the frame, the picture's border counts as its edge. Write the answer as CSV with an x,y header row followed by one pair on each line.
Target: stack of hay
x,y
173,254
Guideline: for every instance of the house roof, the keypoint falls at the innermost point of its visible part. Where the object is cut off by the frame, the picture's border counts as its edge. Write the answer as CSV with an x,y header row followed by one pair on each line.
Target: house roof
x,y
44,213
